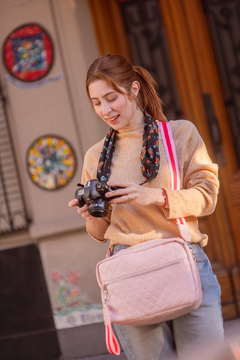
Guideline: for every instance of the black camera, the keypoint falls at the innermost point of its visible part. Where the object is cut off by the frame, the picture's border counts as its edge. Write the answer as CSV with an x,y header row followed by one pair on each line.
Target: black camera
x,y
93,193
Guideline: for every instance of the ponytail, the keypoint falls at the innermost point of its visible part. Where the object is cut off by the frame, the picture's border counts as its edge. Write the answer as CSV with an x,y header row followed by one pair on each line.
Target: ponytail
x,y
148,98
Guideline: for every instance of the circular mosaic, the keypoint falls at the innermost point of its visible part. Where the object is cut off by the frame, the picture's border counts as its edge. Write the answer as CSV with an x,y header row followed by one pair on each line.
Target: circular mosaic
x,y
28,53
51,162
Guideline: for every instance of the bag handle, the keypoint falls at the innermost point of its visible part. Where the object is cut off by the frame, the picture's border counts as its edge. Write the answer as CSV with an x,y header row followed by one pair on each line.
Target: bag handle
x,y
170,150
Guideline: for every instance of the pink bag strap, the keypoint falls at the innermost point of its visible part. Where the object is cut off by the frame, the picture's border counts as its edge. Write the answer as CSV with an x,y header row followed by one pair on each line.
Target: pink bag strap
x,y
169,147
170,150
111,340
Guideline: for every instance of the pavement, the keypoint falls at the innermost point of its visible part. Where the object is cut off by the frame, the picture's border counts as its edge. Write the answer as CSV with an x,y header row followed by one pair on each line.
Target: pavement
x,y
230,350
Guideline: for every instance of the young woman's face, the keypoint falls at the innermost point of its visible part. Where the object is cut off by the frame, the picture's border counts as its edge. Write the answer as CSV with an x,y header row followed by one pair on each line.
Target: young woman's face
x,y
116,109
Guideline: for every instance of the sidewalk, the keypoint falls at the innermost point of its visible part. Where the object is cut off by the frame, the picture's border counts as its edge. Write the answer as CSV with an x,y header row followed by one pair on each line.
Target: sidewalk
x,y
232,330
232,327
105,357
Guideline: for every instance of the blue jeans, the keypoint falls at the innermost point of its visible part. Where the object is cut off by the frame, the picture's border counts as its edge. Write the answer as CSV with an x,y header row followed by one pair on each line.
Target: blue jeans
x,y
192,332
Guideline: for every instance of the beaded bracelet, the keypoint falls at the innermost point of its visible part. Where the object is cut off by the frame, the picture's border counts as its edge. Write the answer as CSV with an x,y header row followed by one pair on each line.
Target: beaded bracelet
x,y
165,198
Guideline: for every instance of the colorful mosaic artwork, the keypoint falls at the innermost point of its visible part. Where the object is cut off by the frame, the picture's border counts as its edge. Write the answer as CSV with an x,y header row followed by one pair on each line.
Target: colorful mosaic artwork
x,y
28,53
67,291
73,308
51,162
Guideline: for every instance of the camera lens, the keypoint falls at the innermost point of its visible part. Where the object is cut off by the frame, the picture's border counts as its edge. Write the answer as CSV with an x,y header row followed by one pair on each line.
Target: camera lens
x,y
98,208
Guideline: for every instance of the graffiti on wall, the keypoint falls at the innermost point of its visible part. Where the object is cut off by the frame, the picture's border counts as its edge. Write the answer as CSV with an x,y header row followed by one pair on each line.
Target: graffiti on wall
x,y
73,308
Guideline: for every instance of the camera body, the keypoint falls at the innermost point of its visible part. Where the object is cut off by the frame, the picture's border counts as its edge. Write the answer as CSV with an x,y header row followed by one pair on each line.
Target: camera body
x,y
93,193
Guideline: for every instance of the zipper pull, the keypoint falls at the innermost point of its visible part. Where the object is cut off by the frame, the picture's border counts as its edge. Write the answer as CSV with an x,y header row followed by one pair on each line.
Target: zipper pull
x,y
190,247
105,292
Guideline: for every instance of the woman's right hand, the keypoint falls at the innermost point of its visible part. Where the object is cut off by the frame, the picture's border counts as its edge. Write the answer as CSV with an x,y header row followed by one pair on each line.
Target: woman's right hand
x,y
96,232
82,210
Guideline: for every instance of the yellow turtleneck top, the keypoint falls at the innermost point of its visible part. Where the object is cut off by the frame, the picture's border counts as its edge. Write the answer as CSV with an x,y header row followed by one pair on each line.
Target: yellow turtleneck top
x,y
131,224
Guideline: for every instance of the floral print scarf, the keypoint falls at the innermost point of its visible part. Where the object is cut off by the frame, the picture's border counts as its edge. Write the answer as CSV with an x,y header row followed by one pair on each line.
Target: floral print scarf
x,y
150,157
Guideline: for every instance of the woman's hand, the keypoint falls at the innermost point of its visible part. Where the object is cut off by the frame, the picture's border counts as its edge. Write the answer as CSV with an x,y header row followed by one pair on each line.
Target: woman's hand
x,y
135,194
95,226
82,210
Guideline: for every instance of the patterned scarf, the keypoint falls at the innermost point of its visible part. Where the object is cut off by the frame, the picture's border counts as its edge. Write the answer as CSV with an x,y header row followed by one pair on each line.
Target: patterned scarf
x,y
150,157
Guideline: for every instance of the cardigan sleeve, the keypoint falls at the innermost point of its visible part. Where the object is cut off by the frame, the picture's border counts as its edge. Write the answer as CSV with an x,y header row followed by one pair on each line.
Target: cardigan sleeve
x,y
199,185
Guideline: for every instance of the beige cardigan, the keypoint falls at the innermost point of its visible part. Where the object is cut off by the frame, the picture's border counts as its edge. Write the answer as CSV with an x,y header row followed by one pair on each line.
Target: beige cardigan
x,y
131,224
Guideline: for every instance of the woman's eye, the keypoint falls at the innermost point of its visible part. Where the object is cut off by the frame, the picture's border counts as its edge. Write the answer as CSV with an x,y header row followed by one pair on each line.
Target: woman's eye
x,y
96,104
112,99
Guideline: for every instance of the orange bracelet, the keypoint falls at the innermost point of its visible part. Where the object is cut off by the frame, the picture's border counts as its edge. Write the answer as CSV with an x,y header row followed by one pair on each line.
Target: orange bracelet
x,y
165,194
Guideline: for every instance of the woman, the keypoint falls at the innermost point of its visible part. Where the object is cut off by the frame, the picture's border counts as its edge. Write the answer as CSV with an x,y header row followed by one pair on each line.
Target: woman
x,y
125,97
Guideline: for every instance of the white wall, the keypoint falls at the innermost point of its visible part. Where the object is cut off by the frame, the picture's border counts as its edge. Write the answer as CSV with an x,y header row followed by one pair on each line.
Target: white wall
x,y
60,108
73,251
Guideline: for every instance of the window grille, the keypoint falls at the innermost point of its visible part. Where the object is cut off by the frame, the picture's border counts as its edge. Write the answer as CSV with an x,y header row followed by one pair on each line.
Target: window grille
x,y
13,215
224,24
149,48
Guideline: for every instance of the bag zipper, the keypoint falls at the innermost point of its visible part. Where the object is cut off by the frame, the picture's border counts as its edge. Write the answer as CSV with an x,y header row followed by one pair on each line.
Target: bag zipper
x,y
190,247
105,290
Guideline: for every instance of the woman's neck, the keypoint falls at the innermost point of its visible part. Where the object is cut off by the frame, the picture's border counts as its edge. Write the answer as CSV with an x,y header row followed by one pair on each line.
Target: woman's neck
x,y
138,119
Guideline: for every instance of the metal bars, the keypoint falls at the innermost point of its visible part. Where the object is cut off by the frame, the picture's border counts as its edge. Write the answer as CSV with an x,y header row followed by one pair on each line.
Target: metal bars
x,y
149,49
224,24
13,215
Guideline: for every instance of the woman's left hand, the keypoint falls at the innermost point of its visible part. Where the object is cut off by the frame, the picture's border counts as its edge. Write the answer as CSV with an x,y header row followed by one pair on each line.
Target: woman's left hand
x,y
135,194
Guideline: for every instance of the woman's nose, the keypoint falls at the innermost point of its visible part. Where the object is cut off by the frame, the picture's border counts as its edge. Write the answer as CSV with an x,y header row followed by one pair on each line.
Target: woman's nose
x,y
106,109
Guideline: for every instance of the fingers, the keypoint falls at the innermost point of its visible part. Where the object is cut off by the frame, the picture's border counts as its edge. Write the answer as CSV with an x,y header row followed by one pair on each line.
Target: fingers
x,y
127,191
80,210
73,202
122,195
125,188
122,184
124,199
131,193
119,192
85,213
83,209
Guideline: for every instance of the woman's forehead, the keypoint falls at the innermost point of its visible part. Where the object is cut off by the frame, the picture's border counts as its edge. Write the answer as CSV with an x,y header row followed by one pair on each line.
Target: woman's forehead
x,y
100,88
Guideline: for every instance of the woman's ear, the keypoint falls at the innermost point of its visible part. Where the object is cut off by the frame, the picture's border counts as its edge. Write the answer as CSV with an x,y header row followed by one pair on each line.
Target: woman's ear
x,y
135,89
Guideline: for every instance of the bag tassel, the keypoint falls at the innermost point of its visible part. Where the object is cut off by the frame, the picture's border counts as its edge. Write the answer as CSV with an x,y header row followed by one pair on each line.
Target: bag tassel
x,y
111,340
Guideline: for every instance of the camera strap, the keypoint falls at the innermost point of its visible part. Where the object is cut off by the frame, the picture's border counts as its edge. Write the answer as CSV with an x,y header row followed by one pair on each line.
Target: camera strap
x,y
150,157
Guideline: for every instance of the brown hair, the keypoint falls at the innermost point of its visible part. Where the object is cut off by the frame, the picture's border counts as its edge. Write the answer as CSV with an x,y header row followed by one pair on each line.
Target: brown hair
x,y
119,72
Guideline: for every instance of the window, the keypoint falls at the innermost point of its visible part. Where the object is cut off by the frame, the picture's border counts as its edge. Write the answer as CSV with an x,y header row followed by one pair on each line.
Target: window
x,y
13,215
224,25
149,48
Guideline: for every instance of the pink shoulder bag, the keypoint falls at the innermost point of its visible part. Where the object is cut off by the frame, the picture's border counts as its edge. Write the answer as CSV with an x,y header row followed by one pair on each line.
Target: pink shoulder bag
x,y
154,281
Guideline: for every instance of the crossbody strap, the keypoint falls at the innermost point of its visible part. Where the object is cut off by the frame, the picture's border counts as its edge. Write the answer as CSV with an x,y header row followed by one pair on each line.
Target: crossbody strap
x,y
170,150
166,132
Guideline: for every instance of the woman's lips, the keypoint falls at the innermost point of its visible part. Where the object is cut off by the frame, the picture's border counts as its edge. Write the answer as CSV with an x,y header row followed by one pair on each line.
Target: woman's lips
x,y
113,119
